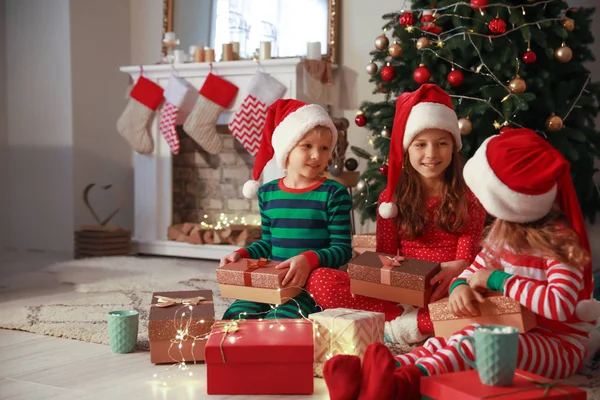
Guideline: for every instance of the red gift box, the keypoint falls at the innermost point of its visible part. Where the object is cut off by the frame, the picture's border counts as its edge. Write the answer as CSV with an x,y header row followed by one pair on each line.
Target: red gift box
x,y
260,357
467,386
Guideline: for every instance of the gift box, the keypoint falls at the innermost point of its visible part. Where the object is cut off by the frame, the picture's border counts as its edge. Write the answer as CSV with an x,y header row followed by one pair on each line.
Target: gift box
x,y
362,243
180,318
393,278
496,310
467,386
260,357
255,280
345,331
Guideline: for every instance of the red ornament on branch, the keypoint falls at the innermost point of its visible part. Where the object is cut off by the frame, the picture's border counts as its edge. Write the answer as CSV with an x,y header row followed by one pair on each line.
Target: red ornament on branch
x,y
360,119
497,26
529,57
407,19
427,17
478,4
422,75
388,73
455,78
384,169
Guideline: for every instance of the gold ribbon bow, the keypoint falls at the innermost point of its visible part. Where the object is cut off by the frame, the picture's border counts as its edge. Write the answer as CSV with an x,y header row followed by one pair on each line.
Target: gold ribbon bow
x,y
165,301
261,262
386,268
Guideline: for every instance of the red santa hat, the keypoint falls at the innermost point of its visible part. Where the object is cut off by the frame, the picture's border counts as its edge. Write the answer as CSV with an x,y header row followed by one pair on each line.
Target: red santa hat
x,y
427,107
517,176
287,122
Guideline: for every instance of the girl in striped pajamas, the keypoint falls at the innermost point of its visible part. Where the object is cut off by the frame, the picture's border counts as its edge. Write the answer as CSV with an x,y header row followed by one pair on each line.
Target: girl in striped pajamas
x,y
305,217
536,252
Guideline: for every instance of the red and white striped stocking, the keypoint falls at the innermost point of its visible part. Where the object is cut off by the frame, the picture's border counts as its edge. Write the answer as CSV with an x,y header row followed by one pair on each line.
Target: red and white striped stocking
x,y
248,122
175,93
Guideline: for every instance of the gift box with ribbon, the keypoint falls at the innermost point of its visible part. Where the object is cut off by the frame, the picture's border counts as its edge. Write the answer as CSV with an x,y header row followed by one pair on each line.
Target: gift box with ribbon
x,y
255,280
260,357
344,331
496,310
393,278
364,242
179,324
467,386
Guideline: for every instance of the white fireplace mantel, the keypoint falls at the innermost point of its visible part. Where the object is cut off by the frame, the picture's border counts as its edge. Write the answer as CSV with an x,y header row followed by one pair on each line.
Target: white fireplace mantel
x,y
153,173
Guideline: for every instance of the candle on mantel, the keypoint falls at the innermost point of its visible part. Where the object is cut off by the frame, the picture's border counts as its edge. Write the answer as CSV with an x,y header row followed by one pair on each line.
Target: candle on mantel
x,y
209,54
227,52
265,51
313,50
235,47
170,39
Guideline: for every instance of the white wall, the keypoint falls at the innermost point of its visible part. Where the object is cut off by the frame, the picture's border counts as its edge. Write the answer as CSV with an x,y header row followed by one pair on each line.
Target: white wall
x,y
3,133
100,44
146,30
39,124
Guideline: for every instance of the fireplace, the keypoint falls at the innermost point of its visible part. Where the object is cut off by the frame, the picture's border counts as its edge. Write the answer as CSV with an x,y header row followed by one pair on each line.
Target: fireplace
x,y
194,186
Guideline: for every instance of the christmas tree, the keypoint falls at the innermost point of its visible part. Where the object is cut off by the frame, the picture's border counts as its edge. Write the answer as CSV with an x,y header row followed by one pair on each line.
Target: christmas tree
x,y
506,63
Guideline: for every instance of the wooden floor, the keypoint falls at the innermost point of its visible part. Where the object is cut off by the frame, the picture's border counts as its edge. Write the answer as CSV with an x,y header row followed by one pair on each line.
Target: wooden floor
x,y
43,367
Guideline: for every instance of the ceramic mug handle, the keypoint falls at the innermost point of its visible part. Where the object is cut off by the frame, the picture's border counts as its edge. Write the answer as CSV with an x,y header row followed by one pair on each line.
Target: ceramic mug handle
x,y
462,354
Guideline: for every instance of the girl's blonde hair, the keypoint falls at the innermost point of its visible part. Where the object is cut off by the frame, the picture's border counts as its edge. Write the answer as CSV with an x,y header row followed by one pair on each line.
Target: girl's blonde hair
x,y
551,237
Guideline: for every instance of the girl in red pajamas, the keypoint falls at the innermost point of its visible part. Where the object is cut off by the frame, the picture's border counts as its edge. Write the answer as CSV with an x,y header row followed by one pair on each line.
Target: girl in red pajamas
x,y
533,254
434,216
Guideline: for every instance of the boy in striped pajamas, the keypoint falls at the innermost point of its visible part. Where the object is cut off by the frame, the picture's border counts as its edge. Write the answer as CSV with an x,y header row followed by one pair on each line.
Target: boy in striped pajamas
x,y
536,252
305,217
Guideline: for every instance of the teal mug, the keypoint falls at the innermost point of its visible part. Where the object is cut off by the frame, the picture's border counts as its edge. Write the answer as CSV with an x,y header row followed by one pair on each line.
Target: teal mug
x,y
496,352
123,330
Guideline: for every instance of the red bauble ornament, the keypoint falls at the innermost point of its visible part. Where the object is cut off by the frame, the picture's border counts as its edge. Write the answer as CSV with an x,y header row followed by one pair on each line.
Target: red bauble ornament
x,y
478,4
497,26
529,57
388,73
384,169
455,78
422,74
407,19
360,120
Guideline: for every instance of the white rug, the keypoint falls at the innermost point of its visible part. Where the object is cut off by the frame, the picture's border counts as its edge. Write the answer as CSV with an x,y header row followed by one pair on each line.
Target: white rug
x,y
73,298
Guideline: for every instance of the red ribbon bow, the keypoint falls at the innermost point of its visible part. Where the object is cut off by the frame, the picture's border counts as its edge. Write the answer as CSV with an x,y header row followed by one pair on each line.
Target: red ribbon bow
x,y
261,262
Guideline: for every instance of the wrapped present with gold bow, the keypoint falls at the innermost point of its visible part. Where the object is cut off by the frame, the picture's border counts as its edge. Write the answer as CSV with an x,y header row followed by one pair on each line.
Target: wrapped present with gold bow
x,y
496,310
255,280
394,278
251,357
179,324
344,331
363,242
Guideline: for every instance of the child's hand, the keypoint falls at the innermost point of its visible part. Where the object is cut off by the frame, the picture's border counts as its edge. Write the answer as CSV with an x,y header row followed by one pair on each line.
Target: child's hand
x,y
298,273
229,258
450,270
460,301
479,279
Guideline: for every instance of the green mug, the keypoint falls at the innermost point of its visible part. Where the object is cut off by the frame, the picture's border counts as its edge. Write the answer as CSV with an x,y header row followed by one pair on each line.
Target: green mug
x,y
496,352
123,330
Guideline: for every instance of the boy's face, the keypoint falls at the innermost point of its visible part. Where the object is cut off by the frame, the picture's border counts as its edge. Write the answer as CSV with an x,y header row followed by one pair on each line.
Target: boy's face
x,y
310,155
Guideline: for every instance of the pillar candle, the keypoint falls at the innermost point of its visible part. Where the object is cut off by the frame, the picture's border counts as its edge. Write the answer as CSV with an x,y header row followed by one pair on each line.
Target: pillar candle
x,y
265,51
235,47
313,50
209,54
227,52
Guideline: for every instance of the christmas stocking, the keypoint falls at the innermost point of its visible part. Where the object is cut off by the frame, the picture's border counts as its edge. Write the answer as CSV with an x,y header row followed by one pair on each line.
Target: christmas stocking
x,y
215,95
248,122
175,93
146,96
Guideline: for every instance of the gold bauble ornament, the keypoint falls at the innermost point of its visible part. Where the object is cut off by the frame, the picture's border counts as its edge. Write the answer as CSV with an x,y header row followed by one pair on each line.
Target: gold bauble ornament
x,y
423,43
372,68
554,123
568,24
382,42
563,54
385,133
465,126
395,50
517,85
